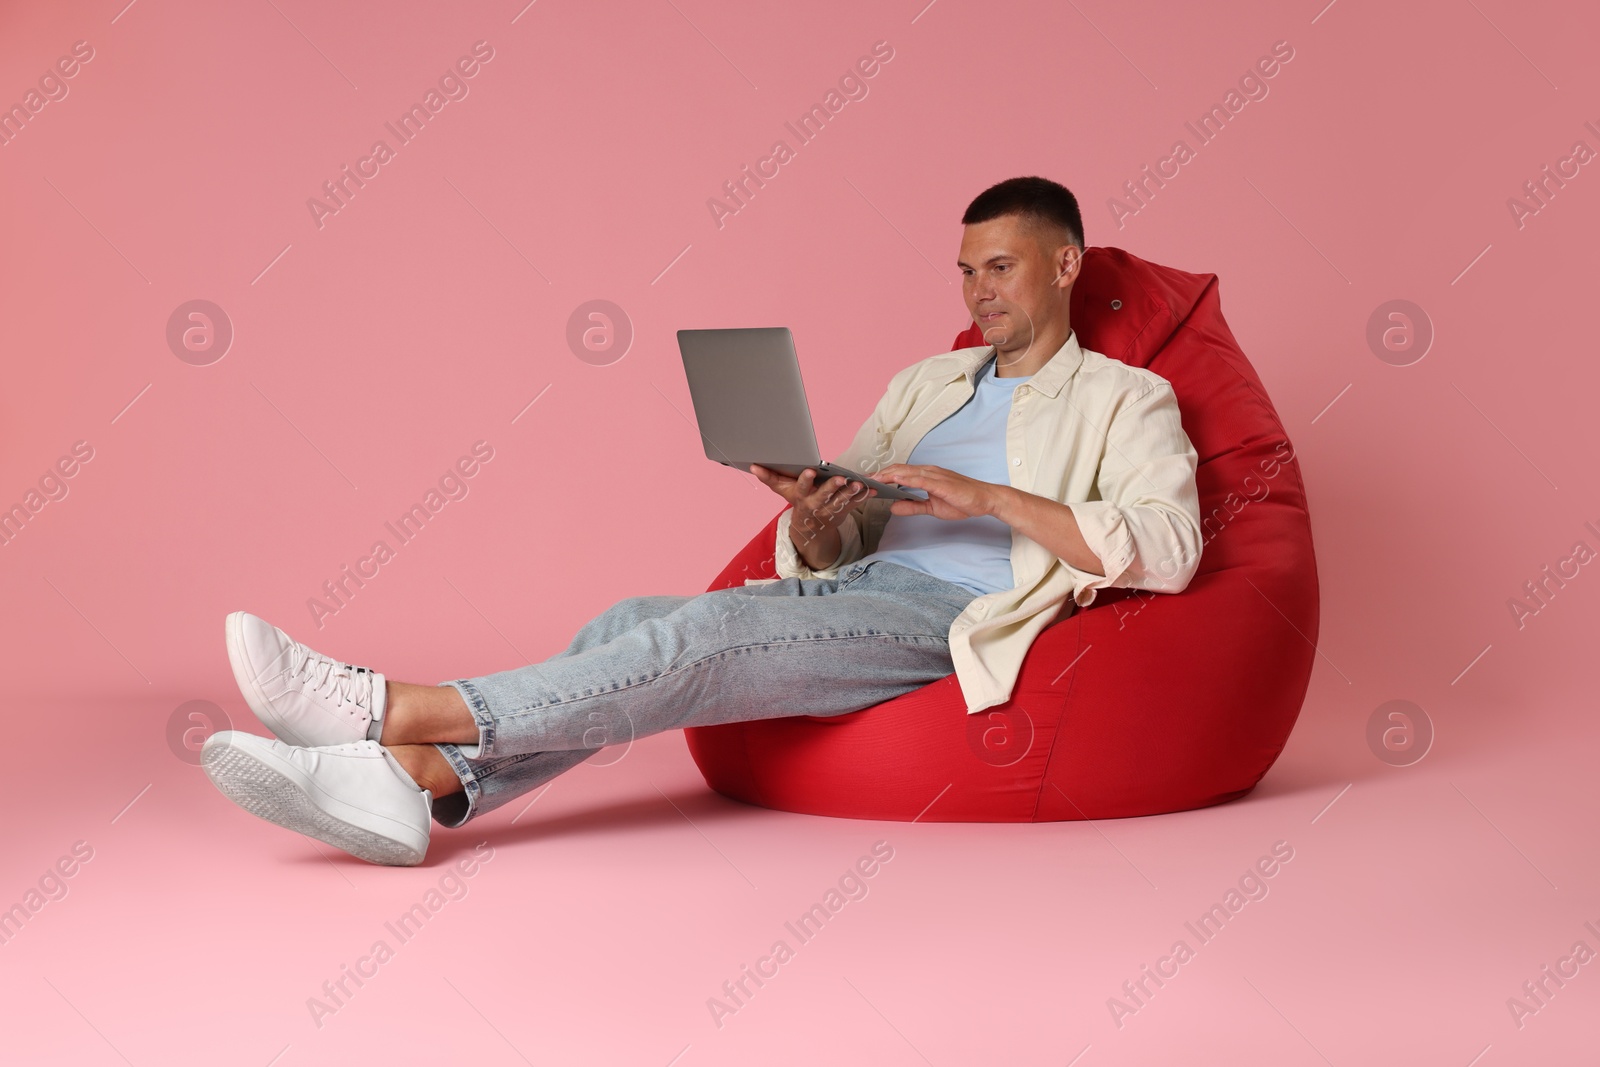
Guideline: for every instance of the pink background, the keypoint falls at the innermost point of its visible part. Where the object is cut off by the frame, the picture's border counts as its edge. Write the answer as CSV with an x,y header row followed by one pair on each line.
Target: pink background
x,y
427,314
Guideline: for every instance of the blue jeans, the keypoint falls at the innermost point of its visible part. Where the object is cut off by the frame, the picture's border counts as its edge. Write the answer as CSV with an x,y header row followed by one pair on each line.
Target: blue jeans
x,y
814,646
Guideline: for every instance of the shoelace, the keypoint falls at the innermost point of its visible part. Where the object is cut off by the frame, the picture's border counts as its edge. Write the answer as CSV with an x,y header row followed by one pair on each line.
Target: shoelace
x,y
330,678
351,748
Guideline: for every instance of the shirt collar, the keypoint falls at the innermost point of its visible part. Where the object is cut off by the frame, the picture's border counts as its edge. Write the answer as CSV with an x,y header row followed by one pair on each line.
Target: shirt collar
x,y
1048,379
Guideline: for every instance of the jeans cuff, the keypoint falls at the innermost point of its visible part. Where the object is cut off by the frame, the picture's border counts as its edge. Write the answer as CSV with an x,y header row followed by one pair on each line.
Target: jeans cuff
x,y
455,809
479,707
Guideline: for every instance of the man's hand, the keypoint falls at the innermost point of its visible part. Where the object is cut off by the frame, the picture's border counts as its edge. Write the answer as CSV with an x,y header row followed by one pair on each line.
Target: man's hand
x,y
950,495
955,496
827,503
818,510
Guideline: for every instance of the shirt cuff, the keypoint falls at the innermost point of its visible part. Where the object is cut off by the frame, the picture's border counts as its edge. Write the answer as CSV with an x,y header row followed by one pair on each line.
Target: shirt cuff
x,y
789,563
1106,533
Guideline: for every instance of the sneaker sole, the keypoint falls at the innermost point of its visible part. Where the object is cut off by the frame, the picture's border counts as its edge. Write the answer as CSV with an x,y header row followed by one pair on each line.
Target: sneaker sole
x,y
281,794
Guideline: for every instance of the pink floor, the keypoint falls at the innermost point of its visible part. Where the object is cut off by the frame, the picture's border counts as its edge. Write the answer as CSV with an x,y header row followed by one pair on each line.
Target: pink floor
x,y
610,913
1410,907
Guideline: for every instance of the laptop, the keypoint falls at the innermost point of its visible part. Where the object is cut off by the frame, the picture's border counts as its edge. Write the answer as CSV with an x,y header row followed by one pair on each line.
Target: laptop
x,y
751,405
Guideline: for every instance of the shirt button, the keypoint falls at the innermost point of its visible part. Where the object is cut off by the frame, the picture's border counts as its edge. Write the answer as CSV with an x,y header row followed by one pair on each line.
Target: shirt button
x,y
1017,462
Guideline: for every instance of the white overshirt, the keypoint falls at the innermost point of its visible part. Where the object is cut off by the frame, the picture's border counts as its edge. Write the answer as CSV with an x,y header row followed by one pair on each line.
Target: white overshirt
x,y
1087,431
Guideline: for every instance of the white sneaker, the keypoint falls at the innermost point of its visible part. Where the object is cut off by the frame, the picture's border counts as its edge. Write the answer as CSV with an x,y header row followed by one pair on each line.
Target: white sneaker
x,y
354,796
304,697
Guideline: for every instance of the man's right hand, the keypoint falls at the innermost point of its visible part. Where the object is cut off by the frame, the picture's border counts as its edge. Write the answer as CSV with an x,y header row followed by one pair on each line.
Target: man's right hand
x,y
818,509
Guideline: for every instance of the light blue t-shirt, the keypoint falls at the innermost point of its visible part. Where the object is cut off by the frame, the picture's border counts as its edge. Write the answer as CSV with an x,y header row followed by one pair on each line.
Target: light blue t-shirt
x,y
975,552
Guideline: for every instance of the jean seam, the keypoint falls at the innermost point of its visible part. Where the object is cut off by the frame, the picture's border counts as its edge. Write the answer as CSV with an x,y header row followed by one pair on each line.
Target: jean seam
x,y
780,643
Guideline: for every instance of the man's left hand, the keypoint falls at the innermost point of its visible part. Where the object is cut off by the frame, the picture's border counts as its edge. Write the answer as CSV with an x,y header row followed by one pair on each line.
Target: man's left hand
x,y
950,495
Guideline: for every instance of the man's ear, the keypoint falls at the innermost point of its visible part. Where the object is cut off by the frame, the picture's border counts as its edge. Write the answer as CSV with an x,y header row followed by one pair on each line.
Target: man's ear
x,y
1069,258
1064,263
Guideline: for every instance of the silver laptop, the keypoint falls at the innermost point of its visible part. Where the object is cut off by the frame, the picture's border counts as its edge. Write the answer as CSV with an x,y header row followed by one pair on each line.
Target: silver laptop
x,y
751,405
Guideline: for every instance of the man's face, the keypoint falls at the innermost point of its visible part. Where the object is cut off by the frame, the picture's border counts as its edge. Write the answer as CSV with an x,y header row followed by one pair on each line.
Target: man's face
x,y
1010,280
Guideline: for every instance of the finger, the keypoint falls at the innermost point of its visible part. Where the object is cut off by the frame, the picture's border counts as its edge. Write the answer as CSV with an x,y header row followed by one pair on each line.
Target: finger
x,y
906,475
774,481
849,496
826,492
842,501
770,476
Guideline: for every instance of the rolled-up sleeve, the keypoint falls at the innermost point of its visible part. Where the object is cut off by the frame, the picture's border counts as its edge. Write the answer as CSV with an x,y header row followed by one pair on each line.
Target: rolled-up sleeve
x,y
1145,528
789,563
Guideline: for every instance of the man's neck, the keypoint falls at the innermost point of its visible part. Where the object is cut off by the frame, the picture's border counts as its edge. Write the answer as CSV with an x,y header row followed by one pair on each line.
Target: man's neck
x,y
1027,359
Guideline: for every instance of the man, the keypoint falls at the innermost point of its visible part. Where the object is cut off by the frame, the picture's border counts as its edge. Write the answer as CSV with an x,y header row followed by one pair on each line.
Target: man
x,y
1051,472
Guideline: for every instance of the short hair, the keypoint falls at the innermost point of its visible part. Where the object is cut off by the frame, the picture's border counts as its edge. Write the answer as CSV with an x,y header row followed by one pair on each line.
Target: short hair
x,y
1039,201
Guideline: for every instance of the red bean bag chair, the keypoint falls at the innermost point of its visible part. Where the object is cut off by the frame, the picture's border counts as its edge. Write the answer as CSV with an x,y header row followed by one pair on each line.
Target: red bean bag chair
x,y
1140,703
